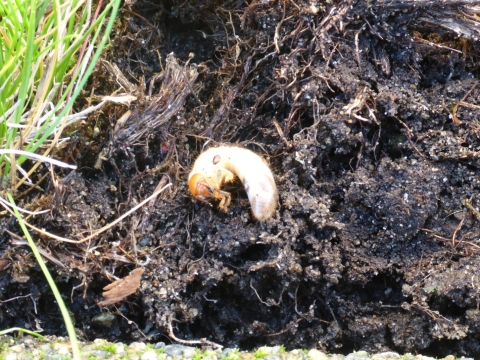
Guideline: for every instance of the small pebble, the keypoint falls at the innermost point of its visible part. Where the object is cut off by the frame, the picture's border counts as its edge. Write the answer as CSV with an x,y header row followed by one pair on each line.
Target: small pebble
x,y
275,350
272,357
62,348
360,355
137,346
189,352
17,348
149,355
178,350
44,347
209,357
120,348
386,356
87,347
100,354
103,320
315,354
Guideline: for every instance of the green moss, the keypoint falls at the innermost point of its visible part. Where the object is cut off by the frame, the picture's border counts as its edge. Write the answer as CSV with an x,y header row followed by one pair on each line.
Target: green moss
x,y
198,355
109,347
260,353
4,344
232,355
303,351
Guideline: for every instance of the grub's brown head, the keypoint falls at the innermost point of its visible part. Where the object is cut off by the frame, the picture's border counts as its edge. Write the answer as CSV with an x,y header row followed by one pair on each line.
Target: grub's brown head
x,y
202,187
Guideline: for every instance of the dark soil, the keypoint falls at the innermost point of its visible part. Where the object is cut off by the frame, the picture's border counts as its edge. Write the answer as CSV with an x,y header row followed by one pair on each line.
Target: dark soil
x,y
367,112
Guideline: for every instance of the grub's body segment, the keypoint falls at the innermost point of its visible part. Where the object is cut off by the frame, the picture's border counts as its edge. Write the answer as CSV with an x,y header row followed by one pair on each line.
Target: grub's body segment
x,y
219,165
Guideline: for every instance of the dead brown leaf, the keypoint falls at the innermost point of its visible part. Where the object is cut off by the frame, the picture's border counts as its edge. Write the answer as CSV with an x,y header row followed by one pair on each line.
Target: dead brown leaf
x,y
121,288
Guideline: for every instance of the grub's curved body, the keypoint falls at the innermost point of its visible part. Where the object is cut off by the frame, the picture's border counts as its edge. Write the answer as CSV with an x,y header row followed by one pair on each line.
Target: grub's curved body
x,y
222,164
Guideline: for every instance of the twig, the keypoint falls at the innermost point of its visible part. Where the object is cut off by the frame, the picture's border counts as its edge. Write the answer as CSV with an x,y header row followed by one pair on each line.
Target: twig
x,y
444,239
202,341
15,298
409,137
456,231
429,43
357,49
455,109
265,303
18,241
118,312
98,232
435,315
287,328
277,29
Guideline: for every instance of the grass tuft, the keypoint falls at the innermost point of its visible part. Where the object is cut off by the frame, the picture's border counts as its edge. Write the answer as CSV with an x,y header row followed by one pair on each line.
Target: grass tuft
x,y
48,50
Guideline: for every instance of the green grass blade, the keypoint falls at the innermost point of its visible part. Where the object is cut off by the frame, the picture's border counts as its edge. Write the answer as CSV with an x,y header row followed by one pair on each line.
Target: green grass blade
x,y
63,309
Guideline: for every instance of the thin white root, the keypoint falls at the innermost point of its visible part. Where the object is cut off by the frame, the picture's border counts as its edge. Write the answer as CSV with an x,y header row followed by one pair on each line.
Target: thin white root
x,y
202,341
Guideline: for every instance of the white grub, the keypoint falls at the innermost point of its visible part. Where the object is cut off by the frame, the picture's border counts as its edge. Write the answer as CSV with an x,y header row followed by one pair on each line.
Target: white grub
x,y
219,165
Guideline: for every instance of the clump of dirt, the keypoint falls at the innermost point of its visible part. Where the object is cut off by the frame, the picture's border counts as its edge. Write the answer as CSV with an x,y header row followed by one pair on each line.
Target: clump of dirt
x,y
367,114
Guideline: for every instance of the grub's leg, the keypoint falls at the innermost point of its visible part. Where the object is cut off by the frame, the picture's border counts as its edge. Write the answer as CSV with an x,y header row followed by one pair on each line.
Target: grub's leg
x,y
225,176
225,200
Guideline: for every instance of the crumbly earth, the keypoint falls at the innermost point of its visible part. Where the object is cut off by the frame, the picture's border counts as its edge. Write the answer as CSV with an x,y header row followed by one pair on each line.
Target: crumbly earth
x,y
368,115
